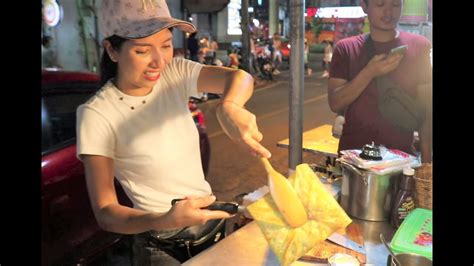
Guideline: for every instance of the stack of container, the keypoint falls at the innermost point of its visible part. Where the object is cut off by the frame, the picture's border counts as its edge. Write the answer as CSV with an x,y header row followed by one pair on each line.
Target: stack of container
x,y
414,234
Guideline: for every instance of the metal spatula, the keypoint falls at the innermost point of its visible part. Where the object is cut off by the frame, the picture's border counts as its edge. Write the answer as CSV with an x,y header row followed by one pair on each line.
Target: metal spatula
x,y
285,197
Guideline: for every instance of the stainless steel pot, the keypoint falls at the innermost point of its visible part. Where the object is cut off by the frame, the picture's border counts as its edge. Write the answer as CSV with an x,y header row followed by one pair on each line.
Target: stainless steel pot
x,y
409,259
366,195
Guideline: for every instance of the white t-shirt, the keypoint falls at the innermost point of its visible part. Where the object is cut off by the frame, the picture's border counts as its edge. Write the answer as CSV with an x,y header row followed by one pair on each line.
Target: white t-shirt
x,y
155,147
327,53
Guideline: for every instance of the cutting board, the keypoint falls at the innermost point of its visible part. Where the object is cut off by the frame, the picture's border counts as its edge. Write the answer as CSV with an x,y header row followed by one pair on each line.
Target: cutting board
x,y
323,251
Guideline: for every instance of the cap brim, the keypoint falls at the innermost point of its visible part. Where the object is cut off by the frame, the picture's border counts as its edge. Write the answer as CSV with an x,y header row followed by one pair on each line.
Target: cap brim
x,y
149,27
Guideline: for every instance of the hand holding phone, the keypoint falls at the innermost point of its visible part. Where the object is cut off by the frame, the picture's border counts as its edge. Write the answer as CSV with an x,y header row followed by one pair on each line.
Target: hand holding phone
x,y
400,49
229,207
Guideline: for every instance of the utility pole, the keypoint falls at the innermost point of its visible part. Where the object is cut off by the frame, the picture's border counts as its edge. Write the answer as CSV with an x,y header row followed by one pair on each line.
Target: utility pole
x,y
297,83
245,35
185,39
273,6
96,35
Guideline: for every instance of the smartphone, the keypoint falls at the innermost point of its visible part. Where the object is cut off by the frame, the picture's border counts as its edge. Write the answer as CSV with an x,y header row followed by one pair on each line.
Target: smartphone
x,y
400,49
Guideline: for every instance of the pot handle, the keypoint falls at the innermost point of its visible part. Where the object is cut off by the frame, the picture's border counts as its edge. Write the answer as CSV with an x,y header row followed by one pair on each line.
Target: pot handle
x,y
353,168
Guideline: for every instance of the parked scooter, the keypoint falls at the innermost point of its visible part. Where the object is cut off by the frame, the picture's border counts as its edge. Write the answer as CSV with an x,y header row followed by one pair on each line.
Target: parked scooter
x,y
264,63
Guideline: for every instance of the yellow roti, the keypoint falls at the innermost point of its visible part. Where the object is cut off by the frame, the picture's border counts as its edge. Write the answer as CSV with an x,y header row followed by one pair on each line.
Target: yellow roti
x,y
325,216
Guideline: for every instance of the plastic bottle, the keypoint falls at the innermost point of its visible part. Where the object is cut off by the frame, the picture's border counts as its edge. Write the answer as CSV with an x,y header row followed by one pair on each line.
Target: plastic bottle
x,y
404,201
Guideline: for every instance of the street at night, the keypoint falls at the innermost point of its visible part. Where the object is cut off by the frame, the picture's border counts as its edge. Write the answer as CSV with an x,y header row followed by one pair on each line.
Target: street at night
x,y
148,112
232,170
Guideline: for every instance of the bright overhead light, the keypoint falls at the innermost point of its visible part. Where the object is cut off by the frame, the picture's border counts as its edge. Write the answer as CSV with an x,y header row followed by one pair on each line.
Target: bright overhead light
x,y
256,22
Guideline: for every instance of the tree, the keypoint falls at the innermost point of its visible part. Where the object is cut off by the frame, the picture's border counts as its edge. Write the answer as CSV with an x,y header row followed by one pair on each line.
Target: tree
x,y
317,26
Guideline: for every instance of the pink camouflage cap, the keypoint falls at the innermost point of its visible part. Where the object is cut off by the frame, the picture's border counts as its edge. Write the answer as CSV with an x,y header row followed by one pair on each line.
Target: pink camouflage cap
x,y
132,19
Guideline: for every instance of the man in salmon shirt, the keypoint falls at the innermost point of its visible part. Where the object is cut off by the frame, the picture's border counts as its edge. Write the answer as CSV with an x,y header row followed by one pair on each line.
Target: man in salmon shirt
x,y
352,84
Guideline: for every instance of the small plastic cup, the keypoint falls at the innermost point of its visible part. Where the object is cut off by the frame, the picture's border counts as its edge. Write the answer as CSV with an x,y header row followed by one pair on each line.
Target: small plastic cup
x,y
341,259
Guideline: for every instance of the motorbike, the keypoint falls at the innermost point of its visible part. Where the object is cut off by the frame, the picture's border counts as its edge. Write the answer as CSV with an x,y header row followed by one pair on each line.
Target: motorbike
x,y
264,63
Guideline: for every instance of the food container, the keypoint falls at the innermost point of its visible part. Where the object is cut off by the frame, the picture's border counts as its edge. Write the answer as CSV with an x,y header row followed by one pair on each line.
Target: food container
x,y
367,195
341,259
415,234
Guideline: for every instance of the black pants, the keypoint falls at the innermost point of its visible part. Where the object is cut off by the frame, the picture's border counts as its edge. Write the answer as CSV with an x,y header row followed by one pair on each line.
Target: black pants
x,y
326,65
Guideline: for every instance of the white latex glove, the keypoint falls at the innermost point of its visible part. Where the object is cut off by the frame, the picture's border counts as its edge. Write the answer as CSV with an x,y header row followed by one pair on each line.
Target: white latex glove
x,y
241,127
338,126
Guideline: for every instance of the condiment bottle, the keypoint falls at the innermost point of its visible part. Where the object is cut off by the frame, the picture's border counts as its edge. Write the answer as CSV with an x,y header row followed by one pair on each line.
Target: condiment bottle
x,y
404,200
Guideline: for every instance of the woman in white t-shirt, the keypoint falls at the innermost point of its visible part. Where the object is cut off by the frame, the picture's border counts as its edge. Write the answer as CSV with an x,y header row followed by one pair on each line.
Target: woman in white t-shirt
x,y
327,58
138,129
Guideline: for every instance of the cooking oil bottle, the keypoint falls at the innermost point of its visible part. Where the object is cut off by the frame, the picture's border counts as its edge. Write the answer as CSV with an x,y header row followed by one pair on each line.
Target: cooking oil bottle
x,y
404,201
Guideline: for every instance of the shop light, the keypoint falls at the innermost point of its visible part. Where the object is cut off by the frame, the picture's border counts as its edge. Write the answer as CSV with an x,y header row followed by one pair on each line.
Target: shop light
x,y
52,13
256,22
340,12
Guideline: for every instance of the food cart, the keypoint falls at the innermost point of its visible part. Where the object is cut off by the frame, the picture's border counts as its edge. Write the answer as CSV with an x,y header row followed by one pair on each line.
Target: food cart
x,y
247,245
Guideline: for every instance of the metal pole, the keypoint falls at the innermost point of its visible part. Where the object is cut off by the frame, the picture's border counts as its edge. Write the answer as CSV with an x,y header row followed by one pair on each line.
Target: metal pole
x,y
273,6
245,35
185,39
297,82
96,35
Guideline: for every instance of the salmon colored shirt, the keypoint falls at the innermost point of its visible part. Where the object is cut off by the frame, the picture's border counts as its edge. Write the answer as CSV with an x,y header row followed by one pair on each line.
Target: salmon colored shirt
x,y
364,123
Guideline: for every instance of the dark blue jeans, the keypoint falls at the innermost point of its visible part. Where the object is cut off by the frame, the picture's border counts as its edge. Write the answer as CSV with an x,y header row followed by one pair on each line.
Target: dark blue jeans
x,y
148,250
146,253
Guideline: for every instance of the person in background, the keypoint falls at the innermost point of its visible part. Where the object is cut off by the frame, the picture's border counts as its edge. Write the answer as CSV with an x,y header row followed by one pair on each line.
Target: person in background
x,y
277,57
138,129
193,46
234,61
327,58
352,86
306,52
203,49
214,47
253,56
210,52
